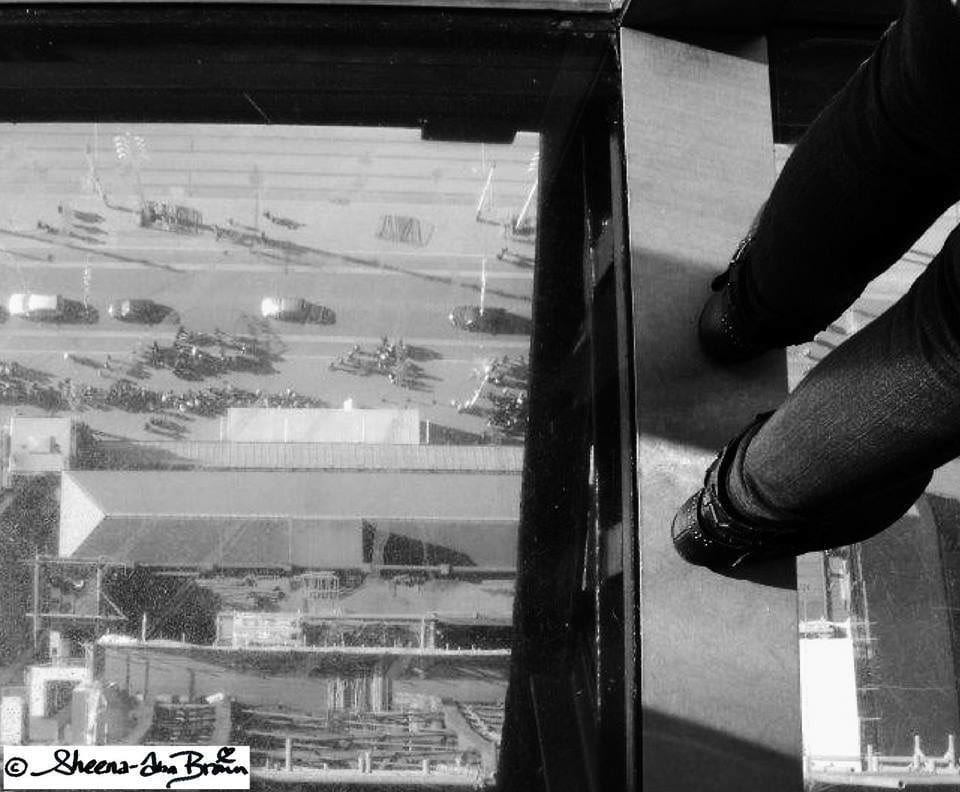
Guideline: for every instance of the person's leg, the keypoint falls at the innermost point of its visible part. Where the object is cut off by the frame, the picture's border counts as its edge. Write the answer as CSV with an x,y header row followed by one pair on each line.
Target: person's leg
x,y
852,447
882,406
876,168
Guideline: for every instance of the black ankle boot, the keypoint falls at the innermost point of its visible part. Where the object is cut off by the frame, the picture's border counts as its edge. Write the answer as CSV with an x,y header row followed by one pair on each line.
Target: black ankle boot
x,y
726,333
708,532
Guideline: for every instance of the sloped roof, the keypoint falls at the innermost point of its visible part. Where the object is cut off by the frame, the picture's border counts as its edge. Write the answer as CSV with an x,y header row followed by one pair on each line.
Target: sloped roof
x,y
226,542
307,518
453,496
273,541
180,455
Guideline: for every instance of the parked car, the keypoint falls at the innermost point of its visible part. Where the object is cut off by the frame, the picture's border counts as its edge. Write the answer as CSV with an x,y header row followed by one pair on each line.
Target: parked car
x,y
40,307
490,320
138,310
295,309
51,308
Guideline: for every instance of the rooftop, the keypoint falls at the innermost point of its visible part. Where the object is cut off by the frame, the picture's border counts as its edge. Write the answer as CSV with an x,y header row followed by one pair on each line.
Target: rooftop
x,y
314,456
310,519
439,496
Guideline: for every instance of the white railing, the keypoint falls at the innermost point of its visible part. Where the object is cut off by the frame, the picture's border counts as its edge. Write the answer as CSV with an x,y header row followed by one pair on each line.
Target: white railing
x,y
874,769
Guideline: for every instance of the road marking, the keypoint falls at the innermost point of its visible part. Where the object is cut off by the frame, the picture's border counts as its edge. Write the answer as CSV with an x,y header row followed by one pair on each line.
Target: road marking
x,y
186,249
285,339
373,268
473,361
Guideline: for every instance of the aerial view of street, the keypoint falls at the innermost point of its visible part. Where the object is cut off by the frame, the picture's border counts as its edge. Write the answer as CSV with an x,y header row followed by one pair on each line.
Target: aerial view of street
x,y
376,236
263,398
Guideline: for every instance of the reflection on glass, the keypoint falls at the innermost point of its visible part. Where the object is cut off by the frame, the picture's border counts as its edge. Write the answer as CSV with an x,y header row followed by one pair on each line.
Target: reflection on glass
x,y
265,397
879,643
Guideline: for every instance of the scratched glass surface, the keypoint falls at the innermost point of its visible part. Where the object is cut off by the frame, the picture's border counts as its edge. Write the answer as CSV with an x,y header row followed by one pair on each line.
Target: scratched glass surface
x,y
880,621
265,397
878,650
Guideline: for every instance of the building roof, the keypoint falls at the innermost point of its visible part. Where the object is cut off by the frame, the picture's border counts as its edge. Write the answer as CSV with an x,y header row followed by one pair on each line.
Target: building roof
x,y
321,425
212,455
257,542
40,444
303,518
442,496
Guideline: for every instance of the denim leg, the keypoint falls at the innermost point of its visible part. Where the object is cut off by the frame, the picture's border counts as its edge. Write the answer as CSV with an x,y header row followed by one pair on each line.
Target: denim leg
x,y
877,167
881,409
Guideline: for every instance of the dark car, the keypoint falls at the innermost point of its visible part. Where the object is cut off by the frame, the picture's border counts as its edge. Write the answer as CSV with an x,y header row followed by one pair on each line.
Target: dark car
x,y
490,320
145,311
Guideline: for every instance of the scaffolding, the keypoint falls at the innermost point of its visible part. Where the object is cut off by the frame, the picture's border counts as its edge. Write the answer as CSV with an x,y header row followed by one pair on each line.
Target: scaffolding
x,y
70,584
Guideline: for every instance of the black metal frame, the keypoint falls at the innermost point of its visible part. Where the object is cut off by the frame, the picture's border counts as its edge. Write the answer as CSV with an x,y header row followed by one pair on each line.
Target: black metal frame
x,y
467,71
573,704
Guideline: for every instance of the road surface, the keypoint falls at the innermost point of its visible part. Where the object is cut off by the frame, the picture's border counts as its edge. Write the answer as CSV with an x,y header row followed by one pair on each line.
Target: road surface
x,y
286,211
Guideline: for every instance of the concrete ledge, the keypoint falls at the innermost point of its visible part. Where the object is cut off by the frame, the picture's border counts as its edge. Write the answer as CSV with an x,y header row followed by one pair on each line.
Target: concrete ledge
x,y
719,662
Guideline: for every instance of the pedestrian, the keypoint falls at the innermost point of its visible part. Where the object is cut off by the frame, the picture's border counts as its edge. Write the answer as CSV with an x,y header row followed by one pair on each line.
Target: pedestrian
x,y
855,444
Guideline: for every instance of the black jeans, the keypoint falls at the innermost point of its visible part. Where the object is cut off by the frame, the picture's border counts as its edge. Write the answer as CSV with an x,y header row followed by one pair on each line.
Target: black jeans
x,y
876,168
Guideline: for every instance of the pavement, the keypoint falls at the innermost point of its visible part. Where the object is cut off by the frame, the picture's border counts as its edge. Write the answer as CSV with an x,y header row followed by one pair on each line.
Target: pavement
x,y
327,192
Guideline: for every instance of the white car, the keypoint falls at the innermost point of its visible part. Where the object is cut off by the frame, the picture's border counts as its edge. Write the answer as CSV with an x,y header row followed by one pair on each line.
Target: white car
x,y
36,306
289,309
295,309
